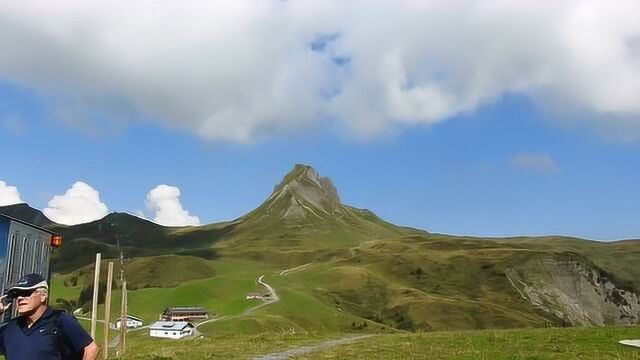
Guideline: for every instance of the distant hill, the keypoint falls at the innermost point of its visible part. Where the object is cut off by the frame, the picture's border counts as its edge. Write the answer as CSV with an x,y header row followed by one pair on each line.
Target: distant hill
x,y
303,213
26,213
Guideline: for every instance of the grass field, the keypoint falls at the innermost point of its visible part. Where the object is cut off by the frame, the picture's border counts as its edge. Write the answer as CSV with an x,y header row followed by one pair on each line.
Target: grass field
x,y
221,294
460,285
551,343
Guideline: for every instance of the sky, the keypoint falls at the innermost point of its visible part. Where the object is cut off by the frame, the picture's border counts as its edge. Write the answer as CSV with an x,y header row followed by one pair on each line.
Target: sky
x,y
486,118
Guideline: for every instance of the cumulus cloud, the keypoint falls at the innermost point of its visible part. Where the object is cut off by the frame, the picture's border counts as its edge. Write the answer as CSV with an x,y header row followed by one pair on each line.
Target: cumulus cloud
x,y
80,204
164,202
9,195
533,161
236,71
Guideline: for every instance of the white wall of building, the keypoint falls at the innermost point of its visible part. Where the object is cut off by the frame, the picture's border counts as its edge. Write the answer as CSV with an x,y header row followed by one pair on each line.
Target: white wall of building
x,y
130,324
171,334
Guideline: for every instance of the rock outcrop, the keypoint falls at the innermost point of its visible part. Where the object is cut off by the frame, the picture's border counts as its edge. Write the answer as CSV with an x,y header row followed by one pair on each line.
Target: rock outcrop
x,y
579,293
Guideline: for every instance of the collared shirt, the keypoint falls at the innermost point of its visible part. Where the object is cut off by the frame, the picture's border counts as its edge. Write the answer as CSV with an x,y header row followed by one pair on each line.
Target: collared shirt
x,y
41,341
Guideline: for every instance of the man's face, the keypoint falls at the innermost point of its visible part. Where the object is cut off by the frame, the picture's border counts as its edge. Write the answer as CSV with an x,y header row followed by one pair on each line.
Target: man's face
x,y
29,301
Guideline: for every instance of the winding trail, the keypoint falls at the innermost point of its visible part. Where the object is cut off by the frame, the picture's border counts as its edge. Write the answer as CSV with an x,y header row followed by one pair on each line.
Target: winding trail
x,y
297,268
273,298
274,295
211,320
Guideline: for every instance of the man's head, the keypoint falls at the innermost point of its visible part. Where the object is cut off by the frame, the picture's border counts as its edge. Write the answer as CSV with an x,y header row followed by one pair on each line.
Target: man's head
x,y
30,292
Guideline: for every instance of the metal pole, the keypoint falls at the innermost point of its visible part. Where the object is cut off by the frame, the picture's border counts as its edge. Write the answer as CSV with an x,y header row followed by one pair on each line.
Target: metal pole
x,y
96,286
107,311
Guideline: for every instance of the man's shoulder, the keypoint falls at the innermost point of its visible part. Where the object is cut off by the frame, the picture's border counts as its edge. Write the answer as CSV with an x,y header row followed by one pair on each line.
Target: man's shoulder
x,y
14,321
62,316
59,312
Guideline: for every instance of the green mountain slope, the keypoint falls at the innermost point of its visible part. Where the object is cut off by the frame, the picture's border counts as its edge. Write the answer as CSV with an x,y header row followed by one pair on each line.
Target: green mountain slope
x,y
303,220
348,268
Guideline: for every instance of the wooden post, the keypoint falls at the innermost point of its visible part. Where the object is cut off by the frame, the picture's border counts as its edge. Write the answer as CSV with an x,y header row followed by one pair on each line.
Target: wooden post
x,y
123,316
96,287
107,310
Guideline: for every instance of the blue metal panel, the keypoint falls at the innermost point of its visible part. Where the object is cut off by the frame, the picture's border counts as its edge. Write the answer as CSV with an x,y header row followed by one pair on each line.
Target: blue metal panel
x,y
4,236
5,224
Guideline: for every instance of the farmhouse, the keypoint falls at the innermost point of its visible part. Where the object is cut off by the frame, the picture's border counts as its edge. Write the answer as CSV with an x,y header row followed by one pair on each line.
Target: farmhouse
x,y
257,295
131,322
171,329
182,313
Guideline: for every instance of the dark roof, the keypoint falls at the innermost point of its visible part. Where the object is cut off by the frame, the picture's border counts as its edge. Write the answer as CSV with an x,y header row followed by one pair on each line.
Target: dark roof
x,y
170,325
185,309
27,223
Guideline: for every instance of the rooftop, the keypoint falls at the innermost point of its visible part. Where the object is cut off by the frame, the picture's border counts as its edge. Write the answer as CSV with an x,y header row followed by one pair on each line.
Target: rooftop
x,y
183,309
170,325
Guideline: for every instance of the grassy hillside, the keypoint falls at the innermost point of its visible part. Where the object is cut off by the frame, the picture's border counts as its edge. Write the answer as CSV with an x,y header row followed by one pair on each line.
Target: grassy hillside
x,y
222,294
553,343
148,272
430,282
359,272
304,213
136,238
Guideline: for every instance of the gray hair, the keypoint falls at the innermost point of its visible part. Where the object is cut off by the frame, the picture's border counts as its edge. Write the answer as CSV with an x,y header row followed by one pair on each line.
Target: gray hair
x,y
44,291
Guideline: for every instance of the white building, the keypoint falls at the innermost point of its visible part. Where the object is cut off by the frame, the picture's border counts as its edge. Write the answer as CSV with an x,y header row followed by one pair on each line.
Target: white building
x,y
171,329
132,322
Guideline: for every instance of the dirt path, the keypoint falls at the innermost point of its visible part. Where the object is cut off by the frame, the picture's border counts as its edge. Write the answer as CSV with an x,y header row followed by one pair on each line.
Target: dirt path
x,y
211,320
274,295
301,350
297,268
272,299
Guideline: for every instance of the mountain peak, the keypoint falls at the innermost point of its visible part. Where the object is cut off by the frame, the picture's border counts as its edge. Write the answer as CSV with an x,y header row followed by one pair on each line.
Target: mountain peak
x,y
304,179
304,203
302,192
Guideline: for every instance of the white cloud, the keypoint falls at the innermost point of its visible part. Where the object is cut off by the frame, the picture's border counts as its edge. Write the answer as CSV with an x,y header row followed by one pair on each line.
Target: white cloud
x,y
239,70
533,161
80,204
9,195
164,202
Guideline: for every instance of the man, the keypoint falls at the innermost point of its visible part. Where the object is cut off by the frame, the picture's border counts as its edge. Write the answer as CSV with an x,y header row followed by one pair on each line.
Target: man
x,y
39,332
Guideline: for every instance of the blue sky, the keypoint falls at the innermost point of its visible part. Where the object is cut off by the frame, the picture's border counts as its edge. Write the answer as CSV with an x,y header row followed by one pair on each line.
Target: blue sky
x,y
455,177
445,116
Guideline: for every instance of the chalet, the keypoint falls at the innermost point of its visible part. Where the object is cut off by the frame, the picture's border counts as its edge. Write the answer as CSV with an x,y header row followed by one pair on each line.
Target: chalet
x,y
171,329
131,322
253,295
184,313
257,295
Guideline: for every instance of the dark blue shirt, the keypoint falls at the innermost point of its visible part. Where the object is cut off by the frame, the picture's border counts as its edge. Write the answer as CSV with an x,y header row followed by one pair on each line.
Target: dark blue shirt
x,y
42,341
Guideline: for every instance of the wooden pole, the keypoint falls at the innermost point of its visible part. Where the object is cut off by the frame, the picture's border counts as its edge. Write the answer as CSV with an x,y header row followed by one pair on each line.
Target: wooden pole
x,y
126,309
107,311
96,287
123,315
